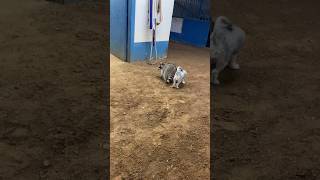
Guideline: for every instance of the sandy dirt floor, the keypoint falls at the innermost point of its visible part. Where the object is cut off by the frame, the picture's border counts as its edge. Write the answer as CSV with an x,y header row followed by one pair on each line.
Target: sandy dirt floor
x,y
158,132
266,116
51,84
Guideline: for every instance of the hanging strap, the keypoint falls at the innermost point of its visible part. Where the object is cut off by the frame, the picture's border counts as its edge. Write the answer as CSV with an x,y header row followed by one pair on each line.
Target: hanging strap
x,y
159,12
150,14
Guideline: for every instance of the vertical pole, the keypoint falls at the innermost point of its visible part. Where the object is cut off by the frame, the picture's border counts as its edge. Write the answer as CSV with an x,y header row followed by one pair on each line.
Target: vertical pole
x,y
150,13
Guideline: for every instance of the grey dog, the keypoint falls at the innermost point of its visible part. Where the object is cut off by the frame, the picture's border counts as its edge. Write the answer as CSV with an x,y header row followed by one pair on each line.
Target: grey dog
x,y
226,40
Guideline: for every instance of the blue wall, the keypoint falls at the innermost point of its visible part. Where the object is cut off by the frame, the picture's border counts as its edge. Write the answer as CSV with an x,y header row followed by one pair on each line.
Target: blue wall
x,y
196,22
141,51
119,28
195,32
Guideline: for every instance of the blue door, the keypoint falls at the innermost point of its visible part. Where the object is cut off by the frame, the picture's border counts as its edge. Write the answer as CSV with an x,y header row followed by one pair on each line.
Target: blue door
x,y
119,28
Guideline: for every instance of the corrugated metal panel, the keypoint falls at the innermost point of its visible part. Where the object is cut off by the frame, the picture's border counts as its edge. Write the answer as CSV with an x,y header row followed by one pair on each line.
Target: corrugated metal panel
x,y
194,9
194,13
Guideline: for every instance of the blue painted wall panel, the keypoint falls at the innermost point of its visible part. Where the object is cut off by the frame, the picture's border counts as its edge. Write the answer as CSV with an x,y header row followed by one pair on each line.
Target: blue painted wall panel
x,y
194,32
119,28
141,51
131,21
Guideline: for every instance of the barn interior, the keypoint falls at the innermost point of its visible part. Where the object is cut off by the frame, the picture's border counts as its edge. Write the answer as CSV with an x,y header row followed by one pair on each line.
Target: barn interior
x,y
157,131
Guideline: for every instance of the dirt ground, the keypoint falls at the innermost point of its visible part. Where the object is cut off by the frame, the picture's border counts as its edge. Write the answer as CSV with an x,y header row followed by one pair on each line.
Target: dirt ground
x,y
158,132
51,84
266,116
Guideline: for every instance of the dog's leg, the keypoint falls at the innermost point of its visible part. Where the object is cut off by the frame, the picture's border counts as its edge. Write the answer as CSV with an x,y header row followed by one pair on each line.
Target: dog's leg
x,y
221,64
174,83
177,84
233,63
214,76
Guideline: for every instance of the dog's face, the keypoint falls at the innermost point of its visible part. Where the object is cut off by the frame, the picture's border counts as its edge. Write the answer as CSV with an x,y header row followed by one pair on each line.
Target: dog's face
x,y
179,69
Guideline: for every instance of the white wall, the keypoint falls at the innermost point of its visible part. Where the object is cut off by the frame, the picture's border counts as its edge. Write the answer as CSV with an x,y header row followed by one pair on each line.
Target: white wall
x,y
142,31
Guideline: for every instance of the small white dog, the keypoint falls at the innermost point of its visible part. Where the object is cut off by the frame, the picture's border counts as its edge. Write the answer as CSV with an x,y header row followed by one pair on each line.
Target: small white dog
x,y
179,77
